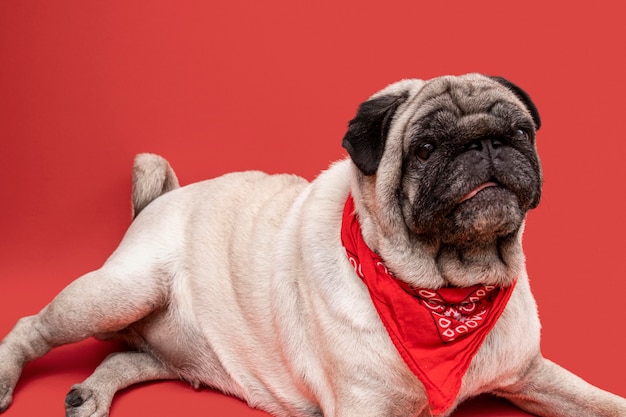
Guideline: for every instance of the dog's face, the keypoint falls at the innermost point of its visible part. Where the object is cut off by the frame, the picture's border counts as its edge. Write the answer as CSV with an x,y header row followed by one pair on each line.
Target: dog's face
x,y
452,160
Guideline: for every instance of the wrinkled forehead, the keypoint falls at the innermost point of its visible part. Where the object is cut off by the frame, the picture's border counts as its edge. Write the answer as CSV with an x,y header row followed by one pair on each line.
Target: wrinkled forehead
x,y
468,97
467,94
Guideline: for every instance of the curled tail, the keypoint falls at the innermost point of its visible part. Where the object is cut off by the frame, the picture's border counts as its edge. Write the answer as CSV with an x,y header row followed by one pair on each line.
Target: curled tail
x,y
152,177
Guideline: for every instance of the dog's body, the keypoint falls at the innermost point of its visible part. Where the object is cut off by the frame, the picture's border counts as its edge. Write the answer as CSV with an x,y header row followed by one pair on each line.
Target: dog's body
x,y
242,282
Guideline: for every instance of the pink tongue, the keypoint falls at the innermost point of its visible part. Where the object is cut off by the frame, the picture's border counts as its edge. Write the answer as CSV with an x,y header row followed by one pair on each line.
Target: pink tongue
x,y
477,190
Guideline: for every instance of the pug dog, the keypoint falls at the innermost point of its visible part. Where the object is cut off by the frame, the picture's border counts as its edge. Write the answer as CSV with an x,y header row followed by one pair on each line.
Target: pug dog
x,y
392,285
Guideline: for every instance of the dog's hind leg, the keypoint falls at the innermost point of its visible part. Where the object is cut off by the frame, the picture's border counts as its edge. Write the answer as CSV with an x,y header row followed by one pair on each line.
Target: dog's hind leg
x,y
92,398
126,289
101,302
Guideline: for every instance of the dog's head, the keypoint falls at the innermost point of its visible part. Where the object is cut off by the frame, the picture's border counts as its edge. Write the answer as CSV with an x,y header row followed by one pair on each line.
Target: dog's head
x,y
450,165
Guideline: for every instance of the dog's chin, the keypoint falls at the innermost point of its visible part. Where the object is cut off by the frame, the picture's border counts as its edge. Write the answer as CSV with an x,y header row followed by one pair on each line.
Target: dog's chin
x,y
482,216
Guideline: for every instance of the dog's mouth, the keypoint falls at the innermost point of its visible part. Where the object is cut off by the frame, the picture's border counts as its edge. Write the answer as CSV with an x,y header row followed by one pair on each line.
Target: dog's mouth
x,y
477,190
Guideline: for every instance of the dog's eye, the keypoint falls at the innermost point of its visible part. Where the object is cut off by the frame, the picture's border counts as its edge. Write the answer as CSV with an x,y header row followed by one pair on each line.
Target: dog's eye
x,y
522,134
424,150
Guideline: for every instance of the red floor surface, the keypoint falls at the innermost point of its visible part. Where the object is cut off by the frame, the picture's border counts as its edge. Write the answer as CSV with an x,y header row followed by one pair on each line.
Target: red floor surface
x,y
230,85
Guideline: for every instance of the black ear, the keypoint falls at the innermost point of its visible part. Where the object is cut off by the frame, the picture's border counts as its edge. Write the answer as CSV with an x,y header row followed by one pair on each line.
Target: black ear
x,y
367,132
523,96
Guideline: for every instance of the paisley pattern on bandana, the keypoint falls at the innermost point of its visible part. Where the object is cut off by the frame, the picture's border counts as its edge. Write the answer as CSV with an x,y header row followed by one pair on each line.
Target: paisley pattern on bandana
x,y
454,320
437,332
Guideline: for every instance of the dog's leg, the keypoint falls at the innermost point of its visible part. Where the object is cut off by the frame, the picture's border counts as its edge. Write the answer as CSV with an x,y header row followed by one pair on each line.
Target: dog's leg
x,y
93,397
549,390
101,302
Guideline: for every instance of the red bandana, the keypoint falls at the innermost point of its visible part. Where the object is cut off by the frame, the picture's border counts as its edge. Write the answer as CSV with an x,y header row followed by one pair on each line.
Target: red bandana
x,y
437,332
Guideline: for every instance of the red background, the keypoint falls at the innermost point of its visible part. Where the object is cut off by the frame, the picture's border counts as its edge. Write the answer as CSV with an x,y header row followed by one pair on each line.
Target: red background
x,y
217,86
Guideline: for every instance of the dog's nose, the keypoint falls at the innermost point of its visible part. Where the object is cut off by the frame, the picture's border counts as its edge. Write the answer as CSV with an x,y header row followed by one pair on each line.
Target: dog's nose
x,y
486,144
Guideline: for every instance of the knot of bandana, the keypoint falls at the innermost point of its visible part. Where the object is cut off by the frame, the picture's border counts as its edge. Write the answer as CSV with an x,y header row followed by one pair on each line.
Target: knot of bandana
x,y
437,332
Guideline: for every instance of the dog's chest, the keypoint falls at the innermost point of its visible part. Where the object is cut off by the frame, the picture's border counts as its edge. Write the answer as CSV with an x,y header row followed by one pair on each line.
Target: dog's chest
x,y
507,350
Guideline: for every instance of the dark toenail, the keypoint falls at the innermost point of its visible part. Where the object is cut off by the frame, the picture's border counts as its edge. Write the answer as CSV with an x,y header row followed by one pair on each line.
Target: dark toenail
x,y
74,399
